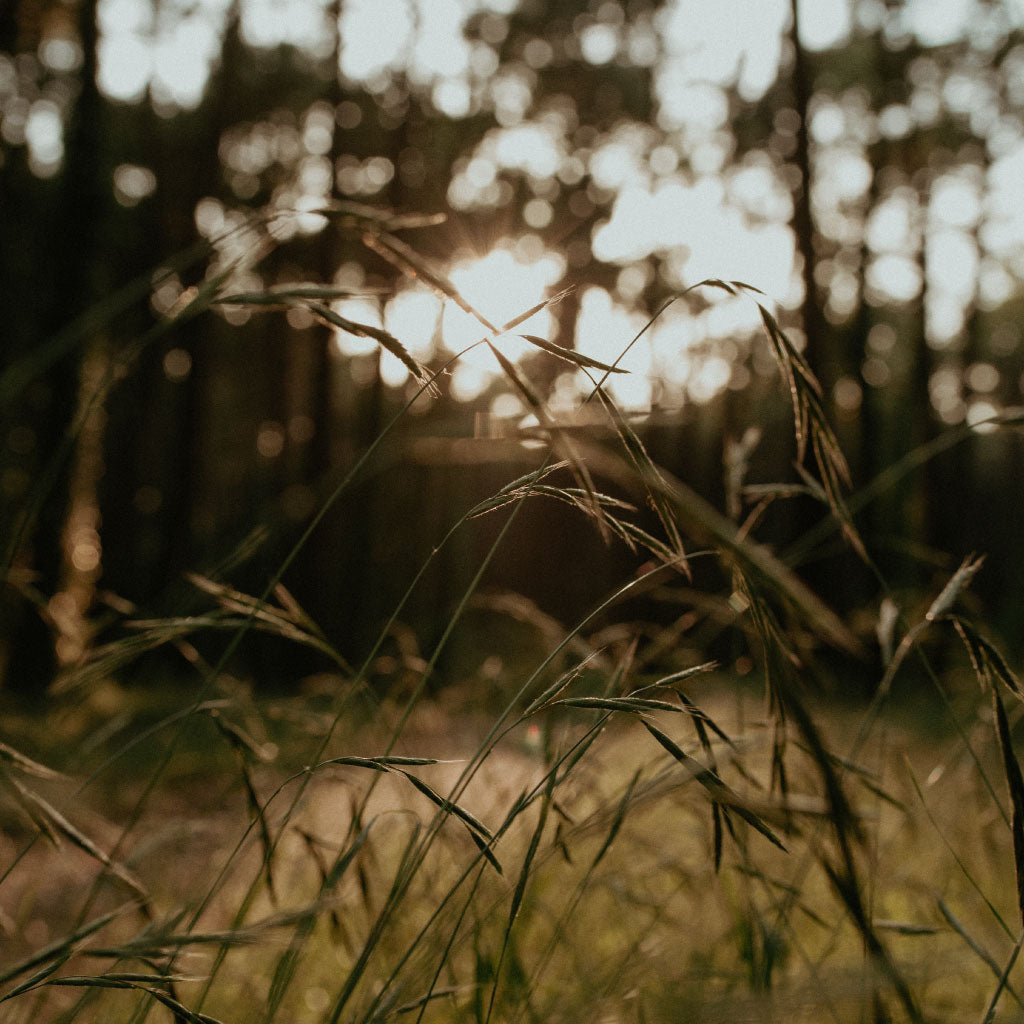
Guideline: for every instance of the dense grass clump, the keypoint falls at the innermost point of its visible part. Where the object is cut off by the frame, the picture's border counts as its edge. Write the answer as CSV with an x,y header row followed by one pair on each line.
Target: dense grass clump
x,y
613,825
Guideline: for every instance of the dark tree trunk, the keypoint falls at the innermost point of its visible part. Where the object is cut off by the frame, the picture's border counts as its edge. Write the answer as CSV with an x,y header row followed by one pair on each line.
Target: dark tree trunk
x,y
803,219
65,288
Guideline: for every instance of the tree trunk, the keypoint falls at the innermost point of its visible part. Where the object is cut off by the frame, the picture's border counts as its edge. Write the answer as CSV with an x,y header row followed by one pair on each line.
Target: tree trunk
x,y
67,288
803,219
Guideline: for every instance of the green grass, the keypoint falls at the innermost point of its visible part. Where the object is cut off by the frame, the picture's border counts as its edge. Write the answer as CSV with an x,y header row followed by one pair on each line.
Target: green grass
x,y
604,825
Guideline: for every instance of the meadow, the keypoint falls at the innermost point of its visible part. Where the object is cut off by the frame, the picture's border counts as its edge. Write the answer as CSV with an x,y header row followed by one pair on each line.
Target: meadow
x,y
685,818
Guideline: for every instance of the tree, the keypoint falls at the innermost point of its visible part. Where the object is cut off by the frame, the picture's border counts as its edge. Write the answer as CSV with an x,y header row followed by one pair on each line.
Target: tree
x,y
61,287
562,126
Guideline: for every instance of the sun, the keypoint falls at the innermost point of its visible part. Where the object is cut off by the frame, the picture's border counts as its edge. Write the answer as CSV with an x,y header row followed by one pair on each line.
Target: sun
x,y
678,358
512,278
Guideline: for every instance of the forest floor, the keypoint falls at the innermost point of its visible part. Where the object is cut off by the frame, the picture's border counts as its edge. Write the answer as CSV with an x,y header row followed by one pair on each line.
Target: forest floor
x,y
934,852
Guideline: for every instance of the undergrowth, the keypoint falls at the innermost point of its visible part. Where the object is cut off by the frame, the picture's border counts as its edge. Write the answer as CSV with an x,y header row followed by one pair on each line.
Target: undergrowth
x,y
618,831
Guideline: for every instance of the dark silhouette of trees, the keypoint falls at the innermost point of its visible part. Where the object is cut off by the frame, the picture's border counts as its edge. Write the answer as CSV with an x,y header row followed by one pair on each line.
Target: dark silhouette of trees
x,y
236,419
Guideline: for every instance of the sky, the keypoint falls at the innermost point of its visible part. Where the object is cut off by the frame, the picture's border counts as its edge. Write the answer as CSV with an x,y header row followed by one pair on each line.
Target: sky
x,y
712,220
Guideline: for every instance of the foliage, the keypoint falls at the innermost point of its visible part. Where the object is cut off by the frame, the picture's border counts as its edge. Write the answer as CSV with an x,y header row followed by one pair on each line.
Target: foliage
x,y
343,855
263,417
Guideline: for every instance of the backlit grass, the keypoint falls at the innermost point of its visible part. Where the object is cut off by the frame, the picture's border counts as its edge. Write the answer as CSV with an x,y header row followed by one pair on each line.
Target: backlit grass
x,y
612,825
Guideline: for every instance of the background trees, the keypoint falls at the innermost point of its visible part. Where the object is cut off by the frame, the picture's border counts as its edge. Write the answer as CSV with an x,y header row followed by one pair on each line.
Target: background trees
x,y
865,173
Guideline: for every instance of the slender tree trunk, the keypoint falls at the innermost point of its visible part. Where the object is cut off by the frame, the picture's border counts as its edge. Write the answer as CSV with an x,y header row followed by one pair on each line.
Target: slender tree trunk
x,y
67,287
803,219
20,297
319,456
917,513
194,153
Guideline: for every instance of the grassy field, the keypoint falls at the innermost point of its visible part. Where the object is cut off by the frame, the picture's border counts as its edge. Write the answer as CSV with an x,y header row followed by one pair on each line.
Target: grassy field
x,y
609,827
564,871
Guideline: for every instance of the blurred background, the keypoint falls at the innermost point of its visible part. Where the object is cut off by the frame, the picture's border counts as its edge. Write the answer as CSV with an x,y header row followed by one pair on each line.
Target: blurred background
x,y
859,161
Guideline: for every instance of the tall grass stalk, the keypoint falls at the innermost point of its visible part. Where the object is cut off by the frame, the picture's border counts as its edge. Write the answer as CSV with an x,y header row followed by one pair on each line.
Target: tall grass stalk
x,y
609,802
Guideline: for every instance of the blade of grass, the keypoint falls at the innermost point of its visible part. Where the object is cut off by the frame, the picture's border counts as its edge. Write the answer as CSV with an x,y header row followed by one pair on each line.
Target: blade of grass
x,y
990,1010
403,256
982,954
64,947
719,792
180,1011
964,869
61,825
570,355
1015,785
520,890
383,338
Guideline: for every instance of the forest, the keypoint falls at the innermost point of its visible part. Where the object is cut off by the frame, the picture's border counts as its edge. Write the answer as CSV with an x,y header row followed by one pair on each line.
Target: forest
x,y
491,382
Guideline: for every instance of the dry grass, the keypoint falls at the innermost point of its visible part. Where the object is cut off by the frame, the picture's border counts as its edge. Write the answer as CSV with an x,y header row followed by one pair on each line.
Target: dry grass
x,y
634,928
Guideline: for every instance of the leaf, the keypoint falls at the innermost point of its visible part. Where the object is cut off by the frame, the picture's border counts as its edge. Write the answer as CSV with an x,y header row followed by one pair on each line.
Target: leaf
x,y
847,890
478,831
570,355
976,947
952,590
395,251
378,334
40,976
558,685
291,295
885,629
361,215
649,473
521,318
26,764
985,658
60,947
716,788
484,847
149,979
418,1004
60,824
636,705
620,817
687,673
357,762
180,1011
448,806
904,927
702,721
396,759
558,437
1015,784
717,839
522,385
531,852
